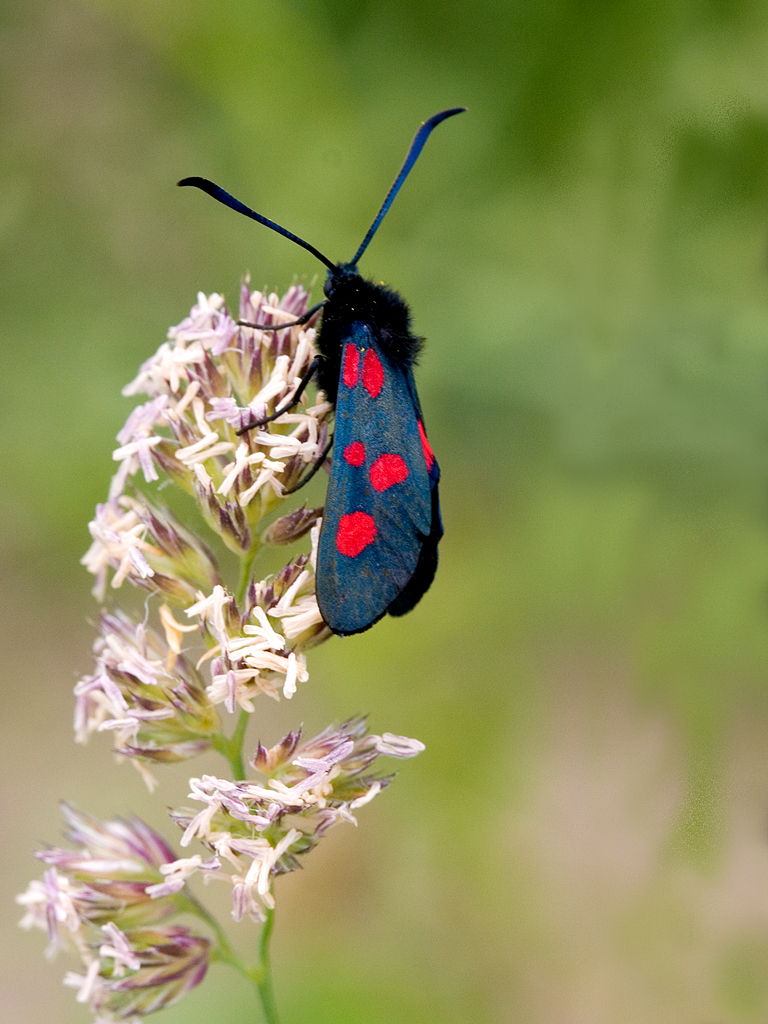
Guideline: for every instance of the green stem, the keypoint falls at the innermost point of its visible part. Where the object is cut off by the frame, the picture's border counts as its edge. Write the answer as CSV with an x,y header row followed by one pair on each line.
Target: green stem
x,y
223,951
236,761
245,573
262,973
232,747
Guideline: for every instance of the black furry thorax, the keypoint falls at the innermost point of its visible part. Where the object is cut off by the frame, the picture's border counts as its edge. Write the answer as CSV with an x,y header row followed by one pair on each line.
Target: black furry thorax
x,y
352,299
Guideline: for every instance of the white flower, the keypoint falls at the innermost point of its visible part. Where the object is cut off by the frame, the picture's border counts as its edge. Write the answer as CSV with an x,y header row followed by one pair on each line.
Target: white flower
x,y
398,746
119,950
177,873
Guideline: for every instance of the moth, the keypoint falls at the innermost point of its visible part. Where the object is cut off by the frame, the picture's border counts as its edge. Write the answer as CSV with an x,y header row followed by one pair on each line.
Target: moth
x,y
377,552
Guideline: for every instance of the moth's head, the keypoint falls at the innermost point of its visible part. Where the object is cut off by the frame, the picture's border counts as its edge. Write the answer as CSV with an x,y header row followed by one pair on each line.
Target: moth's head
x,y
341,279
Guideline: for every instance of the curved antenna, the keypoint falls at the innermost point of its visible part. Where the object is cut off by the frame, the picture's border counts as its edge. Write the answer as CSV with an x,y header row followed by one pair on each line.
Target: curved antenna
x,y
417,145
234,204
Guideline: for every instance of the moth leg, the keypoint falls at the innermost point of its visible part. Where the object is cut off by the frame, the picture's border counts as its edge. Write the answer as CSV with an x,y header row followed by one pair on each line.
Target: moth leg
x,y
291,323
287,406
318,463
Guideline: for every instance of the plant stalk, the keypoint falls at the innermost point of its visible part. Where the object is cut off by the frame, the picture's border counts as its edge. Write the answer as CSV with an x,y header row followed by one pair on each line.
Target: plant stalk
x,y
262,973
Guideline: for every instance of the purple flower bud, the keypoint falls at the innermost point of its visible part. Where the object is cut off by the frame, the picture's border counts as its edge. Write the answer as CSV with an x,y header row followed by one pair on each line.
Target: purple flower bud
x,y
266,761
144,692
104,880
142,970
290,528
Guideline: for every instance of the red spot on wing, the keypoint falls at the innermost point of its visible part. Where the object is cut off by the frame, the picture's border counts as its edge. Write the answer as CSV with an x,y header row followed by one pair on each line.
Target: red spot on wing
x,y
387,471
373,373
429,455
354,453
356,531
351,359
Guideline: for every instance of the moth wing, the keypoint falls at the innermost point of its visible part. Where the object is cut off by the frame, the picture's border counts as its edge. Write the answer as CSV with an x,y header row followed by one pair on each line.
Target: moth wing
x,y
378,545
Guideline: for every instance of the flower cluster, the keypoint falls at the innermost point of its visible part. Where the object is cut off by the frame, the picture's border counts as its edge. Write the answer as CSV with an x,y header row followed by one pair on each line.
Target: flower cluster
x,y
201,648
261,829
210,378
145,692
96,901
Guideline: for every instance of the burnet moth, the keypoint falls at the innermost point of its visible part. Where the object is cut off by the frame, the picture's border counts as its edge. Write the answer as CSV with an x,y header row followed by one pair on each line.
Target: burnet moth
x,y
378,544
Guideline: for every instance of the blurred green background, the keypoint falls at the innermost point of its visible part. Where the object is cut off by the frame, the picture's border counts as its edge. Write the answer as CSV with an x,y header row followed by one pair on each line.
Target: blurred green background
x,y
585,840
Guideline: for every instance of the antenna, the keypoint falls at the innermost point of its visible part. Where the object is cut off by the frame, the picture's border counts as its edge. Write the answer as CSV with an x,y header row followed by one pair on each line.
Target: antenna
x,y
234,204
417,145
